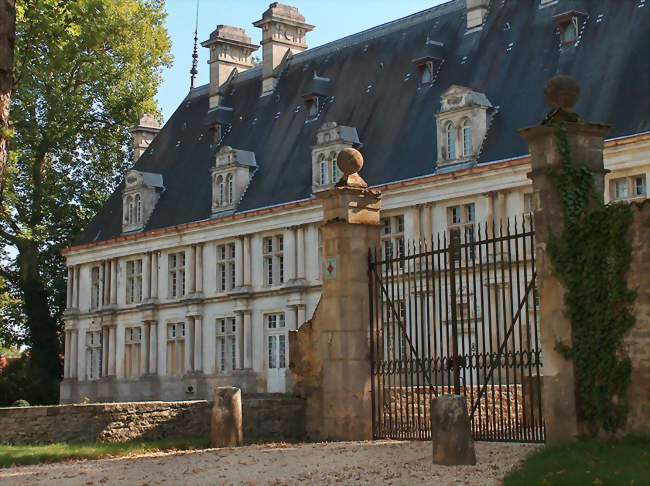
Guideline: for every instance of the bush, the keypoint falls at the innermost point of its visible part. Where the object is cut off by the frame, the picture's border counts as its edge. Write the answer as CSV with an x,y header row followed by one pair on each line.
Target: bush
x,y
20,403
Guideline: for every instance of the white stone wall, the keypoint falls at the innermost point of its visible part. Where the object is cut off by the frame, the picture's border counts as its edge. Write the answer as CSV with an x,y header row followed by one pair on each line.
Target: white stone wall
x,y
497,191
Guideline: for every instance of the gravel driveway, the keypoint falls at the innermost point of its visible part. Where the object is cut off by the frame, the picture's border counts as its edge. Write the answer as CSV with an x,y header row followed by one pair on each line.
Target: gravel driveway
x,y
378,462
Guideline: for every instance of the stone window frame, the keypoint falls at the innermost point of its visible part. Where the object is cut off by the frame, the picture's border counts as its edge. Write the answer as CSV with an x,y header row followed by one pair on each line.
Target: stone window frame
x,y
275,331
225,267
466,126
175,357
132,352
451,140
133,288
96,286
324,173
631,185
392,236
226,344
176,274
461,224
273,258
93,355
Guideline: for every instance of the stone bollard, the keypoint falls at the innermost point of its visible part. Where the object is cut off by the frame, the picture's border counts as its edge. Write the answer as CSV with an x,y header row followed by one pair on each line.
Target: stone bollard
x,y
226,429
450,432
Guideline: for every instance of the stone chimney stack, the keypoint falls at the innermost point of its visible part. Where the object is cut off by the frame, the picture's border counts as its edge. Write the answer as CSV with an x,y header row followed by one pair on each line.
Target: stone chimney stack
x,y
476,12
230,49
143,134
283,29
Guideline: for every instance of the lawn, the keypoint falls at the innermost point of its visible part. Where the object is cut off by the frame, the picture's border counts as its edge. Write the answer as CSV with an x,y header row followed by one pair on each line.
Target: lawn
x,y
625,462
21,455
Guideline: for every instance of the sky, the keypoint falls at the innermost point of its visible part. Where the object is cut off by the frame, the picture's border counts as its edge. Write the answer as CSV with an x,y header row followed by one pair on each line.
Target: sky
x,y
333,19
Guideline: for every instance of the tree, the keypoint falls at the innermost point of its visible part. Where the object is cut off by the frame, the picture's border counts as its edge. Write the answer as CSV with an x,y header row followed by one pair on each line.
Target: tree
x,y
84,71
7,41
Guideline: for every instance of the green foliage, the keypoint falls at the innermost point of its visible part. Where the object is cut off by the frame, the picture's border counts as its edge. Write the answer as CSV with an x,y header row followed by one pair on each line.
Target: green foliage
x,y
592,258
624,462
20,455
20,403
84,71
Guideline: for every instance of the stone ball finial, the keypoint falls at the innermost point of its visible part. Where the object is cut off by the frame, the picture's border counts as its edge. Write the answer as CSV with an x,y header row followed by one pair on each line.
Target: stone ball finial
x,y
350,161
561,92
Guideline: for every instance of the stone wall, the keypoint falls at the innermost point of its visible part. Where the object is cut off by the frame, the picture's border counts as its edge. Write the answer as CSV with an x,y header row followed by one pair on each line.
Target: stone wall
x,y
637,341
264,417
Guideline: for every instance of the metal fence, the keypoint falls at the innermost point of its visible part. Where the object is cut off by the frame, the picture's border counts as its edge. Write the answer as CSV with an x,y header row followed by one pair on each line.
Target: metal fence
x,y
458,314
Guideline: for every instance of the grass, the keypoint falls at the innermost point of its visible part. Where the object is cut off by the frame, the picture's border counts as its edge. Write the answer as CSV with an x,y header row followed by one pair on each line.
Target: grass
x,y
625,461
23,455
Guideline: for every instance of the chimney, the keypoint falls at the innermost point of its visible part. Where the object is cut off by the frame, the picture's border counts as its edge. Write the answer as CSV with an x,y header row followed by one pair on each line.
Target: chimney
x,y
143,134
283,29
230,49
476,12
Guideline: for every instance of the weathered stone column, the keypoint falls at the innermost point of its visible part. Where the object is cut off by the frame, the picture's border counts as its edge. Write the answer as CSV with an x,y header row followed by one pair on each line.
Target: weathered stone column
x,y
198,343
330,354
146,276
587,142
290,255
239,262
66,360
74,353
248,340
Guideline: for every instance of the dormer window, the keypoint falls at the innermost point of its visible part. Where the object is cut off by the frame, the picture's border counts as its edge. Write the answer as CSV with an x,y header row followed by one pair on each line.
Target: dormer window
x,y
331,138
324,173
311,107
141,193
229,189
461,124
569,25
425,69
230,177
318,88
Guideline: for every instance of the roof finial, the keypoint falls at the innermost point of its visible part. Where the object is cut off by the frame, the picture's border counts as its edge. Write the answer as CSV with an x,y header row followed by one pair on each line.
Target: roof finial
x,y
195,55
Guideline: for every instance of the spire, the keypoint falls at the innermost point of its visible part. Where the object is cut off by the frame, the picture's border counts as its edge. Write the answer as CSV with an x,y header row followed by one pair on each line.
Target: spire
x,y
195,55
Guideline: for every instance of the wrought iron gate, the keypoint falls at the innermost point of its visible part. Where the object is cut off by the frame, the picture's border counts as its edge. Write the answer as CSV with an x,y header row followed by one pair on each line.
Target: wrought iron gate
x,y
457,314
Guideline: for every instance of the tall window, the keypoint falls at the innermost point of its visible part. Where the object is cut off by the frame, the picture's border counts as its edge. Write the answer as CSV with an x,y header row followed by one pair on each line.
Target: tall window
x,y
95,287
273,260
335,168
226,345
133,281
130,210
138,208
132,350
221,191
276,341
392,237
225,267
176,266
324,173
467,138
93,355
176,349
460,224
450,131
229,189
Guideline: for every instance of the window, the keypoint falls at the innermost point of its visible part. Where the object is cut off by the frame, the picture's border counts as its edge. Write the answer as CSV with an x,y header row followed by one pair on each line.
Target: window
x,y
225,267
311,107
226,345
460,223
176,349
276,341
132,350
529,206
450,131
176,267
273,260
133,281
394,338
129,217
138,208
392,238
96,287
220,193
467,138
569,31
628,187
229,188
324,173
93,355
426,72
335,168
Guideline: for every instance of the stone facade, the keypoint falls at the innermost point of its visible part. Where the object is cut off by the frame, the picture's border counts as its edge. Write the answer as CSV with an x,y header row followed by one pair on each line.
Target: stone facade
x,y
637,342
264,418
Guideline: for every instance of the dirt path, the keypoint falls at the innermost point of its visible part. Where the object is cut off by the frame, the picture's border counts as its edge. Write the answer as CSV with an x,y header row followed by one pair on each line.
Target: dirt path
x,y
379,462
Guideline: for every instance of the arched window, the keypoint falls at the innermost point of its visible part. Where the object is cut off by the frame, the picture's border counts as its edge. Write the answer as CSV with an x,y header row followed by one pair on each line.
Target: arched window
x,y
451,141
229,188
467,138
335,168
324,173
220,191
138,209
129,210
569,31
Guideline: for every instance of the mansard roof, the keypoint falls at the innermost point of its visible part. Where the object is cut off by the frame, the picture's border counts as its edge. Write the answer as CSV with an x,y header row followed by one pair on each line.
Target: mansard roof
x,y
374,87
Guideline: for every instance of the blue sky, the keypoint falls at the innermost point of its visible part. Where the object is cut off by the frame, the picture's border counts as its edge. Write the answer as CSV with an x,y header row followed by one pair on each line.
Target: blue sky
x,y
333,19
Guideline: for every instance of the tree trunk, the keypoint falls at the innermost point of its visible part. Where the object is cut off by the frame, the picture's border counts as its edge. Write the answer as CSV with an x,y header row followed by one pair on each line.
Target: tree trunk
x,y
43,337
7,41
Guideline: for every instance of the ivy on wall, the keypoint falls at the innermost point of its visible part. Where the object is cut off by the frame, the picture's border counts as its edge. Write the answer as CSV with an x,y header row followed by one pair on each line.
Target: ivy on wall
x,y
592,258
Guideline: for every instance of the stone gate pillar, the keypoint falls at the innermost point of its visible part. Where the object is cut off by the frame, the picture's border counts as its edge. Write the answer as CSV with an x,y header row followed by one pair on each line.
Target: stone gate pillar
x,y
330,354
586,141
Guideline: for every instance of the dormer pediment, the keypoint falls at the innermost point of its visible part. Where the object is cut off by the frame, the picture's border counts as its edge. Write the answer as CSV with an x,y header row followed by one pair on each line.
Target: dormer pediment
x,y
231,175
230,157
458,97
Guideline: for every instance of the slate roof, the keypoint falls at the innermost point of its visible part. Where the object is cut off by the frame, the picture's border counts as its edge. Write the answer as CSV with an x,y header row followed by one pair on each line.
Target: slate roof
x,y
509,60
